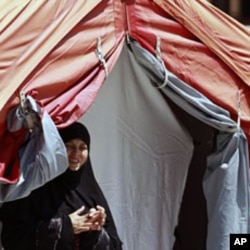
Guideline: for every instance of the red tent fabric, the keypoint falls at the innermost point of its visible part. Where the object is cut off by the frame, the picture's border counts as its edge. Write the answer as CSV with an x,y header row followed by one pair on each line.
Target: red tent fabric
x,y
48,50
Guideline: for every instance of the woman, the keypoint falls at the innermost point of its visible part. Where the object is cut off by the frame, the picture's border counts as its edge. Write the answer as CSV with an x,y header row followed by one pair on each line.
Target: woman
x,y
69,212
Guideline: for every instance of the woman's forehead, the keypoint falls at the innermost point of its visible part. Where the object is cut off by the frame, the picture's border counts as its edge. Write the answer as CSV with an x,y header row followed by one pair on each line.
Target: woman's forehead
x,y
76,141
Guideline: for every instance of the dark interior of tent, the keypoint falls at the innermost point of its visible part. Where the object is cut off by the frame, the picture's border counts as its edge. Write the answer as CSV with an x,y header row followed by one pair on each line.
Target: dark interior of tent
x,y
190,232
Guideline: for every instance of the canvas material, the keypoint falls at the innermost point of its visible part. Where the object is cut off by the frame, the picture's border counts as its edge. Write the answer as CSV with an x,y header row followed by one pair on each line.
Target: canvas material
x,y
41,42
226,180
42,156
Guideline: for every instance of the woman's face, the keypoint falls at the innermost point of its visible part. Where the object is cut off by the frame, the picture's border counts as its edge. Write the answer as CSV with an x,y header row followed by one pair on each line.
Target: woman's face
x,y
77,151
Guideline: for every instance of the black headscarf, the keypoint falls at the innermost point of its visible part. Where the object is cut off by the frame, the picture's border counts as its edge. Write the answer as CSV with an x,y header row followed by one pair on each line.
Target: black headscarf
x,y
74,131
67,193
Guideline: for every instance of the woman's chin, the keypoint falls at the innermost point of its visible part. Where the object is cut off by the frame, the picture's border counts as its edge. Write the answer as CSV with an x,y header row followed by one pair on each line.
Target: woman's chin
x,y
74,167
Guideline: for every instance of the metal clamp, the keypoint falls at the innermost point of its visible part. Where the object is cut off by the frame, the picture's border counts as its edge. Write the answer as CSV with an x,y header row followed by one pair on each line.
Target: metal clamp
x,y
100,56
238,108
159,58
24,109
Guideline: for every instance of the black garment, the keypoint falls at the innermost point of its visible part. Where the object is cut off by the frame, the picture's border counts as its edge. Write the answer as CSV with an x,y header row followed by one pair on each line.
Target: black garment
x,y
41,222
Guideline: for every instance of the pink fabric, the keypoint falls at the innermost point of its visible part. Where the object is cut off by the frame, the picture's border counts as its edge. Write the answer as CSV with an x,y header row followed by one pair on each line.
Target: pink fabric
x,y
48,48
46,52
9,160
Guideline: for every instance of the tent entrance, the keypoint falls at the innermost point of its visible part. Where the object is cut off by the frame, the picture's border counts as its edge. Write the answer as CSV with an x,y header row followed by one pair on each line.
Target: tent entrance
x,y
142,148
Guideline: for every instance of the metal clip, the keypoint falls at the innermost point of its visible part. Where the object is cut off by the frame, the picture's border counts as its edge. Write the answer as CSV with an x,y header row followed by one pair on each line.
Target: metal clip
x,y
127,37
100,56
25,111
238,108
159,58
23,103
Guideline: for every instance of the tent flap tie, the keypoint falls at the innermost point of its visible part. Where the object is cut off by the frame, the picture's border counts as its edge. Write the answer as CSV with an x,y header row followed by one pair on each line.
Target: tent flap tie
x,y
100,56
25,111
159,58
238,108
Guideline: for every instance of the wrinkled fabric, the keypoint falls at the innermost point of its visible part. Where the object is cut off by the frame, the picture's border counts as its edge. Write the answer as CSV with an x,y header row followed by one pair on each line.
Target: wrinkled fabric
x,y
41,156
42,41
226,188
54,60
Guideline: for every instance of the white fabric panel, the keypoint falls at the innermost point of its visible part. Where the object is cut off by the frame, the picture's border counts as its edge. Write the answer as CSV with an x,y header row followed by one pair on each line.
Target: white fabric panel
x,y
140,155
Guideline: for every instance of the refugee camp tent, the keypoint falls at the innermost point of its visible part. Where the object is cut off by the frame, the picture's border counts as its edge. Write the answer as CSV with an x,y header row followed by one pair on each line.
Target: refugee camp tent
x,y
163,87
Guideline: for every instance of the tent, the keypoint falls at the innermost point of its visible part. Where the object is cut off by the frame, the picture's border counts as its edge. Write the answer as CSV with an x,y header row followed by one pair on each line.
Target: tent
x,y
163,87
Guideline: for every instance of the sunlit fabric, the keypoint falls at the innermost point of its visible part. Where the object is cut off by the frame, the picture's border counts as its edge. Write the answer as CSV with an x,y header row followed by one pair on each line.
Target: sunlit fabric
x,y
61,52
48,50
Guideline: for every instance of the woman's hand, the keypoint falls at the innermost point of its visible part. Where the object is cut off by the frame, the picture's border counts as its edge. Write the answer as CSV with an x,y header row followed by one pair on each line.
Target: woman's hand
x,y
92,221
80,222
97,215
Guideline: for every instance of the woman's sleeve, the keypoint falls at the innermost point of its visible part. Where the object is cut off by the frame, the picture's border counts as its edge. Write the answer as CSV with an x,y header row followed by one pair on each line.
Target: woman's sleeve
x,y
56,231
110,229
48,233
22,233
105,241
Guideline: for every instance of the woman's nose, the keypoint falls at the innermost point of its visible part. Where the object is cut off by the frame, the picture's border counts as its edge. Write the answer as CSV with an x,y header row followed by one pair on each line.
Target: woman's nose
x,y
76,151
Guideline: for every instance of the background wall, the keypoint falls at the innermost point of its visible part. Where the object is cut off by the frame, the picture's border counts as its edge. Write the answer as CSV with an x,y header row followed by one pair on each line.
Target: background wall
x,y
239,9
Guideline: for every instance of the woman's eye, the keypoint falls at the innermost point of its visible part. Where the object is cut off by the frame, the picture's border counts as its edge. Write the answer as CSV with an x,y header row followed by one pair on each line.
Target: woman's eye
x,y
83,148
69,147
